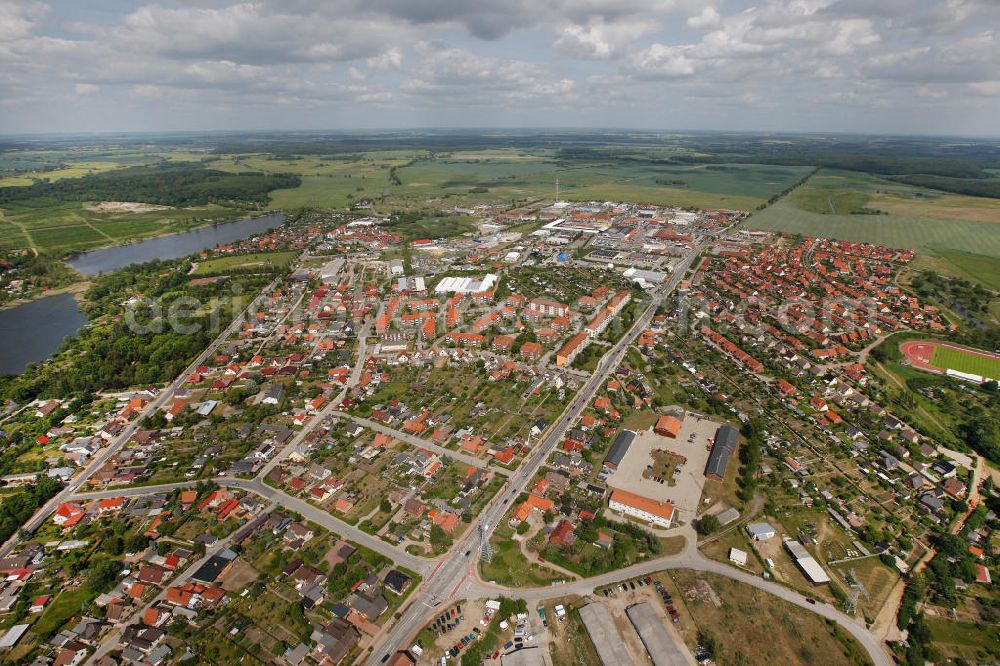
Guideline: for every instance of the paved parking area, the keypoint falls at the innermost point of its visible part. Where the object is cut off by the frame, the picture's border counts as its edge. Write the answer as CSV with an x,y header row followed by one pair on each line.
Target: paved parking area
x,y
686,493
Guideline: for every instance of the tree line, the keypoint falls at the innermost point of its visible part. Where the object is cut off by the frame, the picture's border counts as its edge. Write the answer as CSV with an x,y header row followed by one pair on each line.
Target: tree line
x,y
180,184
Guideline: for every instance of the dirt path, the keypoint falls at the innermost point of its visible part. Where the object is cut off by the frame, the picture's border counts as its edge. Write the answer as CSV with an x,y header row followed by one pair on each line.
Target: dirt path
x,y
522,545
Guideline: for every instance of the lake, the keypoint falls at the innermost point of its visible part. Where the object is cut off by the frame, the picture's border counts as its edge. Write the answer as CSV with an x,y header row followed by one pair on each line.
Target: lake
x,y
34,331
172,246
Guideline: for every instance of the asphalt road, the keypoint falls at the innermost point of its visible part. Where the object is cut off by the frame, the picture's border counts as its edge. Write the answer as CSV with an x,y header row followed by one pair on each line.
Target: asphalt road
x,y
424,444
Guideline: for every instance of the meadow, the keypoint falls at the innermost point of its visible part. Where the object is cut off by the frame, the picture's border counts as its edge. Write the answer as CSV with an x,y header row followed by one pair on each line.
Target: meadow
x,y
402,179
264,261
917,232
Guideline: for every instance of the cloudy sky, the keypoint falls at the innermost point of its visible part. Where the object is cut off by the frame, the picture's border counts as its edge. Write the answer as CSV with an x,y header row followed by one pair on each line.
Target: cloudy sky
x,y
902,66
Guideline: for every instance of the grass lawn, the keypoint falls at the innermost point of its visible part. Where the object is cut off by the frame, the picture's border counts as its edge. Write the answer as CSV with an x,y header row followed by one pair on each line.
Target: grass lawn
x,y
63,607
266,261
639,421
964,639
510,567
956,359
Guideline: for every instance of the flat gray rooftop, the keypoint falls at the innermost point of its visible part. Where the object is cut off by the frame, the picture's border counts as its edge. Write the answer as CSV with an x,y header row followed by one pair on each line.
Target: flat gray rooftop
x,y
659,641
529,656
604,635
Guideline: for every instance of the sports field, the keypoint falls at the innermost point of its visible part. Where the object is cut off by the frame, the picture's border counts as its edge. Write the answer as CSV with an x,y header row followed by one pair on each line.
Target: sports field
x,y
965,361
941,356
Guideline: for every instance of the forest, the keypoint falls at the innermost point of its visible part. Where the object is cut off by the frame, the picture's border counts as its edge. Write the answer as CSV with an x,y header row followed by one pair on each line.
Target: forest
x,y
180,184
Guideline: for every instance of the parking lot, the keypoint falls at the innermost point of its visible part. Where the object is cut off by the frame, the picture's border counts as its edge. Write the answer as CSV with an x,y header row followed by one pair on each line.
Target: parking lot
x,y
692,442
620,596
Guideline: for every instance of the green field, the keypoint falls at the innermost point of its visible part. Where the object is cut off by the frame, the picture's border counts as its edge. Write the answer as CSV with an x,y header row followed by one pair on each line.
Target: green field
x,y
970,265
265,261
962,230
61,227
742,187
963,638
919,233
481,176
956,359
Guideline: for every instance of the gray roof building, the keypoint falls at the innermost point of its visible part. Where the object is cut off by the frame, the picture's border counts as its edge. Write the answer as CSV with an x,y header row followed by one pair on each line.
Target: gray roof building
x,y
603,633
726,440
618,450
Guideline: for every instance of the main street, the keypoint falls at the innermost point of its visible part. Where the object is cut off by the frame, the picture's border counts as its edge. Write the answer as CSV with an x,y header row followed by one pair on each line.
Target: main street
x,y
458,566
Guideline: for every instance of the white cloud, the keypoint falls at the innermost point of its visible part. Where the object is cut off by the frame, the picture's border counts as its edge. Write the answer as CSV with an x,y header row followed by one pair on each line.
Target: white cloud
x,y
389,59
599,40
708,18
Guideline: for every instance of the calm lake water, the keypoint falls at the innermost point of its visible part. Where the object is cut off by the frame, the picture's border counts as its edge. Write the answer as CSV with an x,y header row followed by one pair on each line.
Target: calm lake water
x,y
34,331
173,246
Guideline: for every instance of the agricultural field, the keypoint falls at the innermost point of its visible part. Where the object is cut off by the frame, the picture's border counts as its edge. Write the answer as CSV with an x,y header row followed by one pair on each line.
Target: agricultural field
x,y
73,170
959,234
478,176
742,187
54,227
922,233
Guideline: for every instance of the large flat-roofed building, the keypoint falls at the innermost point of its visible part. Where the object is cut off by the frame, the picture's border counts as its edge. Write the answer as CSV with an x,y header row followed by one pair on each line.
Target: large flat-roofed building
x,y
604,635
618,449
526,656
726,439
659,642
643,508
810,567
465,285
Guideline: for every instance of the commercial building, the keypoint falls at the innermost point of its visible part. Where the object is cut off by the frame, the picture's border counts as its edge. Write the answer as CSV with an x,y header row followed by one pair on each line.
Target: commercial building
x,y
465,285
618,449
660,643
660,514
726,439
604,635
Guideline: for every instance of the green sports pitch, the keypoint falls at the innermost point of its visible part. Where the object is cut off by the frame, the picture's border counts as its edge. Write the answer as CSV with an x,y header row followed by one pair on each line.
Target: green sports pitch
x,y
966,361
